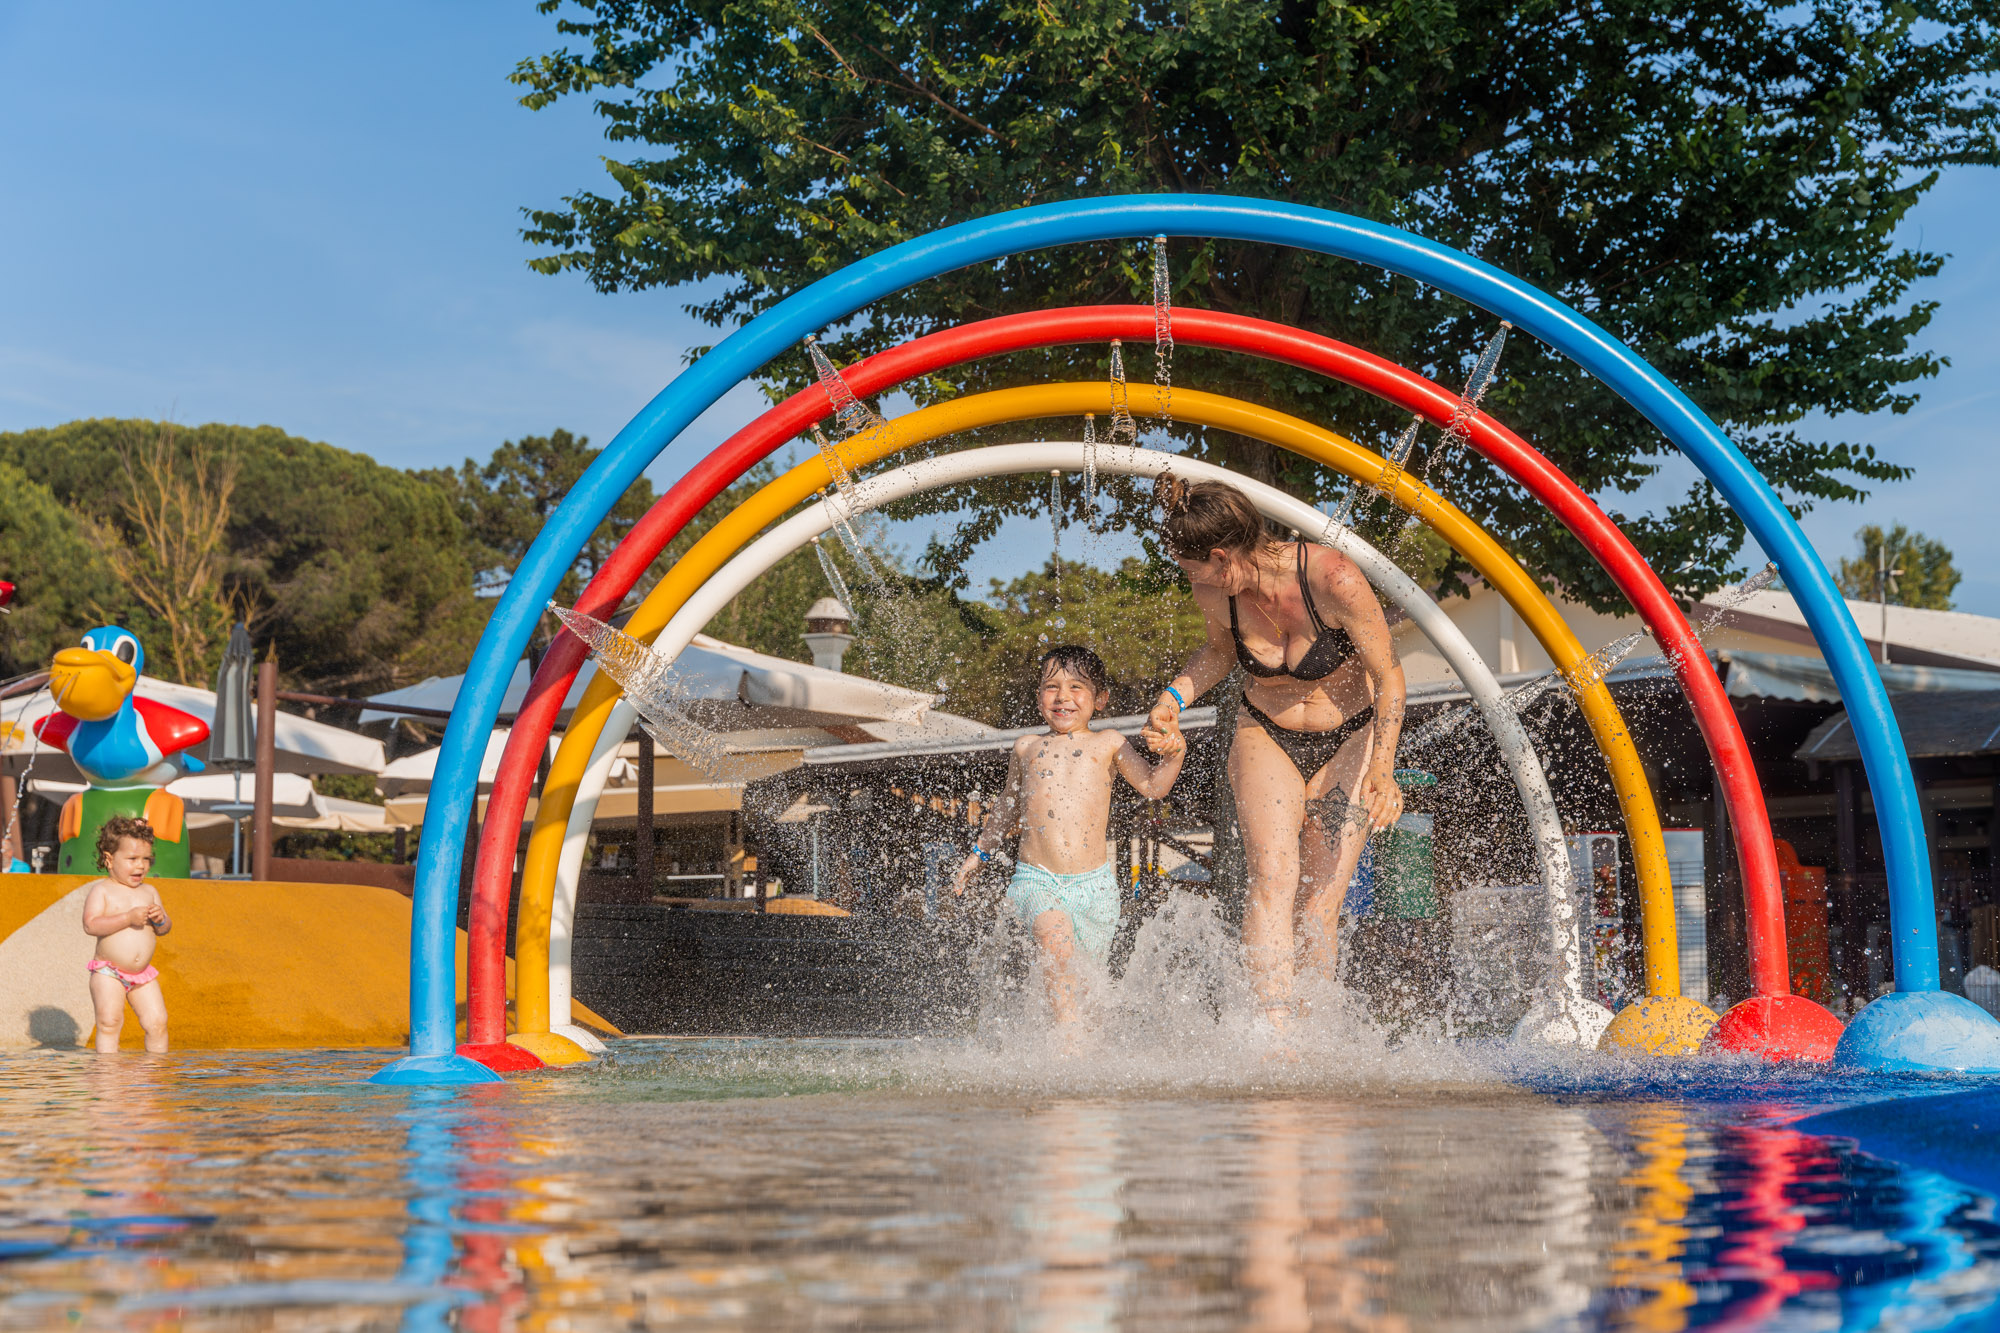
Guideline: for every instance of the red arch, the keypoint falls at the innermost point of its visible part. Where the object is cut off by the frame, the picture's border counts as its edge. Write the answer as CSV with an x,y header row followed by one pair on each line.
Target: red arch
x,y
1730,752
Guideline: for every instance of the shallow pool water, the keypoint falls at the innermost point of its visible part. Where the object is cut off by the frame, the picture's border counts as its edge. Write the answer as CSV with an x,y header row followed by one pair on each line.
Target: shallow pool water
x,y
772,1184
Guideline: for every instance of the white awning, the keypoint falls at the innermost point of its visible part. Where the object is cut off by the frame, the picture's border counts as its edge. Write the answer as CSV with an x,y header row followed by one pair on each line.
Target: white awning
x,y
413,772
731,688
303,745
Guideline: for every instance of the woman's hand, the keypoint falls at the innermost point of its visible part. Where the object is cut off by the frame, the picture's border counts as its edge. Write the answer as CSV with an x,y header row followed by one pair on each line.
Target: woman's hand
x,y
1382,796
1162,731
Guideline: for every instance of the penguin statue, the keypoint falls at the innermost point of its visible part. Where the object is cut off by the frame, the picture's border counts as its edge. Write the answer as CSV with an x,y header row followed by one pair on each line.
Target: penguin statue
x,y
126,747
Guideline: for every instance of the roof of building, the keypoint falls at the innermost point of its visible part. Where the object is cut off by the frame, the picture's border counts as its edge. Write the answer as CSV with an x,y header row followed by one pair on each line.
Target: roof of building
x,y
1933,725
1916,637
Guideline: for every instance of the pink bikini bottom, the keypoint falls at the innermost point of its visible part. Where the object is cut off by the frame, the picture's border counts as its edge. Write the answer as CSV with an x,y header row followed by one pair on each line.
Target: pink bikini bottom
x,y
131,981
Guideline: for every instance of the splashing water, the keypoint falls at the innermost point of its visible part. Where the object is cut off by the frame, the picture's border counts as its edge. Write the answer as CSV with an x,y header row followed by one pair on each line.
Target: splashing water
x,y
653,687
1124,430
853,415
1518,700
1163,332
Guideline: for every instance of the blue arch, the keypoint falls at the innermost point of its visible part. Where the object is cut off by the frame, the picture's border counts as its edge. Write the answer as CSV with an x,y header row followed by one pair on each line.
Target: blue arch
x,y
832,299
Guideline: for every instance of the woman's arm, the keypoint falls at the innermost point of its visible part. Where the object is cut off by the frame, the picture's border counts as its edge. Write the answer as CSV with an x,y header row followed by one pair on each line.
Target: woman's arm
x,y
1210,664
1339,583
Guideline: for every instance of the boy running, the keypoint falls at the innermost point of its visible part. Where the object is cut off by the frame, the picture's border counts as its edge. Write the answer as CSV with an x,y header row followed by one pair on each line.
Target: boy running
x,y
1058,798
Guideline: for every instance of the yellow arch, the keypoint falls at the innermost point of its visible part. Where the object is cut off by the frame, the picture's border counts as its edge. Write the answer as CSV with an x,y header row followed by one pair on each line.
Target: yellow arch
x,y
767,506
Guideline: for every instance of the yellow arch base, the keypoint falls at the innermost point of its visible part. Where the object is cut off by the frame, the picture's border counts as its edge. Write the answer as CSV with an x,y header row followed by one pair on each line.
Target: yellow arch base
x,y
741,525
1659,1025
550,1048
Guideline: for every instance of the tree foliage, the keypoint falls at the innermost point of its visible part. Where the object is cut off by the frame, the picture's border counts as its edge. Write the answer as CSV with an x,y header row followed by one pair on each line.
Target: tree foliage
x,y
47,550
503,503
1717,183
1922,573
355,572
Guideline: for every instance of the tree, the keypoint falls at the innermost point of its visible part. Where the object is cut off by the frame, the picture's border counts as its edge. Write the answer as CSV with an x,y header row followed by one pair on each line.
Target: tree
x,y
48,551
166,545
1927,579
1718,183
353,571
503,503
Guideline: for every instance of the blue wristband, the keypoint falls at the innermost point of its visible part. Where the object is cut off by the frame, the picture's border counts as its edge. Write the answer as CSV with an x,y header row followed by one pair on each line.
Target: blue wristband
x,y
984,855
1177,698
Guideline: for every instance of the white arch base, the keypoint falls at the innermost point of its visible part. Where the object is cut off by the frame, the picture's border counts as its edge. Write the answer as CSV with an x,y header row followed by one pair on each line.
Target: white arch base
x,y
1564,1017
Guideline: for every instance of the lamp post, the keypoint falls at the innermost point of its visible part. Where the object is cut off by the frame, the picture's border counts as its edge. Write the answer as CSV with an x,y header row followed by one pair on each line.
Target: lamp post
x,y
1885,584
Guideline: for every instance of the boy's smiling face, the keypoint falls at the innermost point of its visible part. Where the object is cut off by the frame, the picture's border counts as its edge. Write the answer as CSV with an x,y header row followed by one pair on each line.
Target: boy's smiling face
x,y
1067,700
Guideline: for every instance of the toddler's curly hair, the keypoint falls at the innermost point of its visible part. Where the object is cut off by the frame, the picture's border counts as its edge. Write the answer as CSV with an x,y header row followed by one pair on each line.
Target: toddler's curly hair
x,y
116,829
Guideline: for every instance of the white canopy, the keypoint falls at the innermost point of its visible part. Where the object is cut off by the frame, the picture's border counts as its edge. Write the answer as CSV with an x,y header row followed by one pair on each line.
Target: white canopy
x,y
303,745
413,772
294,803
767,691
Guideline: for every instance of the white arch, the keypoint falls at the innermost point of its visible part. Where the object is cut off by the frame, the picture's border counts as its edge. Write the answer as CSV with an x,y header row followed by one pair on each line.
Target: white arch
x,y
1570,1019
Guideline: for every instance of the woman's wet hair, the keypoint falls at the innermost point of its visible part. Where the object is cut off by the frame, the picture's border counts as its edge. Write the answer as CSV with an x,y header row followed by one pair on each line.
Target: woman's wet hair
x,y
1078,661
1204,516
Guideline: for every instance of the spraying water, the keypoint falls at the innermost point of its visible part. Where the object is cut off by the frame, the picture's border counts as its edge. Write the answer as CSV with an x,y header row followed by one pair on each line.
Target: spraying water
x,y
1055,536
653,687
834,579
1730,598
853,415
1124,430
1592,669
1438,467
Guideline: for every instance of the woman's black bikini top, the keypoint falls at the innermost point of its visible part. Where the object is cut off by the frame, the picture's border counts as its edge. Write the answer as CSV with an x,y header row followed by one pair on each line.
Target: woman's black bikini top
x,y
1331,646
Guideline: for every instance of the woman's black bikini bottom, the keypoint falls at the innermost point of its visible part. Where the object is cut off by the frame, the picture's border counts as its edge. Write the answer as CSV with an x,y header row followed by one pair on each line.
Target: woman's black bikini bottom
x,y
1310,751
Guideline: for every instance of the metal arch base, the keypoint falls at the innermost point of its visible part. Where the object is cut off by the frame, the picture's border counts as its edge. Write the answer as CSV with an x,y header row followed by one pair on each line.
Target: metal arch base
x,y
424,1071
1921,1032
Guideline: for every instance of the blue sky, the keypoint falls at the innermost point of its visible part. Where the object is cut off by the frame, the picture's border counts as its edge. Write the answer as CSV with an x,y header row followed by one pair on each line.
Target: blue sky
x,y
309,217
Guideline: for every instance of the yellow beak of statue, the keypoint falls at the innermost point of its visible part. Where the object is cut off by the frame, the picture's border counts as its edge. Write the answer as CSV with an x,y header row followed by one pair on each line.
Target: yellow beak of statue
x,y
88,684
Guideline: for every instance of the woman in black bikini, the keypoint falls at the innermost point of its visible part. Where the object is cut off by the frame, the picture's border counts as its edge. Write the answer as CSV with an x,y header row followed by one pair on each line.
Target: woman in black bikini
x,y
1312,764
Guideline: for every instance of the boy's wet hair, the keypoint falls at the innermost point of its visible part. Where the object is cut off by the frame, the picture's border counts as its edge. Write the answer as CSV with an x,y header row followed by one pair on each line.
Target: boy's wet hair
x,y
1078,661
116,829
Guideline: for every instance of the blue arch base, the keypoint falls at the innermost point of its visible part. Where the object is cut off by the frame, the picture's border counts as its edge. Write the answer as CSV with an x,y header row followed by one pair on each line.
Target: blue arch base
x,y
1922,1032
434,1071
779,330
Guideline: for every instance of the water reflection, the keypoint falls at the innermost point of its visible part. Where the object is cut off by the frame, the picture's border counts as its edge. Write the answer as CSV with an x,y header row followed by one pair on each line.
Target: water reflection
x,y
253,1192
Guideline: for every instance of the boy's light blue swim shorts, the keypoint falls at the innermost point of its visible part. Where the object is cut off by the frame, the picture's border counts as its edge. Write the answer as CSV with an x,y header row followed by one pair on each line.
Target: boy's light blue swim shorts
x,y
1090,900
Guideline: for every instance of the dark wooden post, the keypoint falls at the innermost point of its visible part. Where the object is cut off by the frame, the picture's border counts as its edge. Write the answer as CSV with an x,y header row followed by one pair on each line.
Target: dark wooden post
x,y
642,824
267,767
